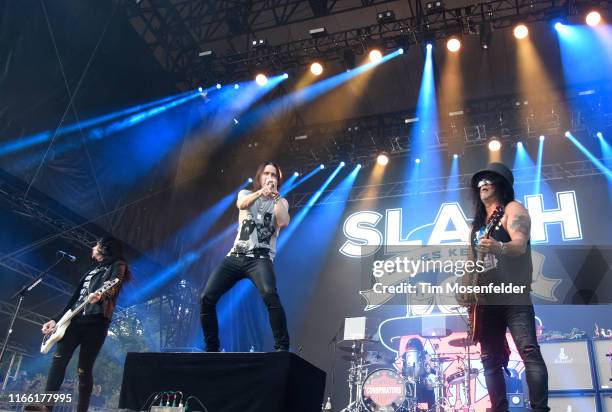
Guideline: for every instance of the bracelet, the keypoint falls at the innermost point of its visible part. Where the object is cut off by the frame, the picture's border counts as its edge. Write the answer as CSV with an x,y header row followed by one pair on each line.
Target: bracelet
x,y
502,248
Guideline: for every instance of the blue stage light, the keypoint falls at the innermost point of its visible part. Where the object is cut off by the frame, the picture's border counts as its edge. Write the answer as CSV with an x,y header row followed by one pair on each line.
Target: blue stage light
x,y
250,180
296,174
285,75
542,138
236,86
455,156
218,86
200,89
567,134
400,50
322,166
599,135
429,46
417,160
342,164
519,145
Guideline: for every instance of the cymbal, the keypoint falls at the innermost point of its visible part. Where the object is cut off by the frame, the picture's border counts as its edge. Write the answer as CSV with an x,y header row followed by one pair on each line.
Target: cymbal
x,y
442,359
373,356
356,346
459,377
461,342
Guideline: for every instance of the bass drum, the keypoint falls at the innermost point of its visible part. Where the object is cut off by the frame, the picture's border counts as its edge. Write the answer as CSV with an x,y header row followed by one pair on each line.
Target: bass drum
x,y
384,390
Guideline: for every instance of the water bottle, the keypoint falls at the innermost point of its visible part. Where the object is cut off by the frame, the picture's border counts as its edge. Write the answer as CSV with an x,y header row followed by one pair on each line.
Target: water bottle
x,y
328,405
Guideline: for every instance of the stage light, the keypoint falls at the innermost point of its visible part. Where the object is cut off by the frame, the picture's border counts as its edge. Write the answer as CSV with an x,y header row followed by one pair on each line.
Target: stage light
x,y
359,166
519,145
382,159
236,86
567,134
250,180
593,18
400,50
455,156
261,79
316,68
200,89
285,75
384,17
521,31
348,59
542,138
429,46
342,164
375,56
486,33
296,174
453,44
558,26
322,166
318,32
599,135
417,160
218,85
494,145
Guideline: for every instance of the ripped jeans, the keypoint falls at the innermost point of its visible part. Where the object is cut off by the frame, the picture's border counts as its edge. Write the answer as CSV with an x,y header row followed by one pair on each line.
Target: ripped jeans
x,y
520,320
89,332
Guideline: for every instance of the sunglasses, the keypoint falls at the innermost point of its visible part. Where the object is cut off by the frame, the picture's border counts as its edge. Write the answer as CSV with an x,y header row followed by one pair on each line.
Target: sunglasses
x,y
483,182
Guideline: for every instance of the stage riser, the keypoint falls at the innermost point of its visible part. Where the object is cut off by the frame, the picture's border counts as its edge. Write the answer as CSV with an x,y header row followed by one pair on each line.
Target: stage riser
x,y
225,382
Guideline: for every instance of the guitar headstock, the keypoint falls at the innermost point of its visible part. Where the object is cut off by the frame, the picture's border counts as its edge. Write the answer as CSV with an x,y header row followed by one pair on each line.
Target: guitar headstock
x,y
108,284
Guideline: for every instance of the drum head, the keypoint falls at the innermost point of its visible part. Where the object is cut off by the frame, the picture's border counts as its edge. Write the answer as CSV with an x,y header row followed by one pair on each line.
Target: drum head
x,y
384,390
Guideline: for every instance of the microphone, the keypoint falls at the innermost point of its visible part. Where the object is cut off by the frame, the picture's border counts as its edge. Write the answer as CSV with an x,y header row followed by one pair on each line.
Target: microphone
x,y
61,253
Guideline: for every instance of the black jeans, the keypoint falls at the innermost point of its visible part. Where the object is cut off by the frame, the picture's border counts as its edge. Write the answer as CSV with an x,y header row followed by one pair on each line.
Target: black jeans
x,y
90,334
223,278
521,322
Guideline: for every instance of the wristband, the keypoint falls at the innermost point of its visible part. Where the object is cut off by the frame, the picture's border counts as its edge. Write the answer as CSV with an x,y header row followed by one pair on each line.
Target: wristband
x,y
502,248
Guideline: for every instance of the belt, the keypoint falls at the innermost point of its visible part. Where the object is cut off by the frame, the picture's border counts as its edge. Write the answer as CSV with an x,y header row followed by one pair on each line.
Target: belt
x,y
254,255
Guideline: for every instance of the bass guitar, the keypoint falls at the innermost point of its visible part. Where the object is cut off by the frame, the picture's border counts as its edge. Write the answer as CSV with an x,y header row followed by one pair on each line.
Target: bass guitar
x,y
58,332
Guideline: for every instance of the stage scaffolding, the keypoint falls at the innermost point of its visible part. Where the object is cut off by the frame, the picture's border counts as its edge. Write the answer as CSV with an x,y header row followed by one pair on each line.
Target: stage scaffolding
x,y
549,172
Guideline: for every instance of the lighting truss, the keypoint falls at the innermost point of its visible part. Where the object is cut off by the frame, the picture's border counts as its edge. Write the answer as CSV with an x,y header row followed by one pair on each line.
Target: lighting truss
x,y
550,172
177,30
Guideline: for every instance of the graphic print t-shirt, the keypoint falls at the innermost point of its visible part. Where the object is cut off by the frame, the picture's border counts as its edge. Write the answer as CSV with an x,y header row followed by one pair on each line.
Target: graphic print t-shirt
x,y
256,227
84,293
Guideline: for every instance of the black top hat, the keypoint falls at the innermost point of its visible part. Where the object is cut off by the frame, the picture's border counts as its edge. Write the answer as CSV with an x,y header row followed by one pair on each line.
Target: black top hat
x,y
495,168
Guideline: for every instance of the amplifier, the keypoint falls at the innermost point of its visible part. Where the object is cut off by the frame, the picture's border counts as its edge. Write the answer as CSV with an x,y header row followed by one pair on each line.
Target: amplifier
x,y
569,365
603,361
606,402
573,403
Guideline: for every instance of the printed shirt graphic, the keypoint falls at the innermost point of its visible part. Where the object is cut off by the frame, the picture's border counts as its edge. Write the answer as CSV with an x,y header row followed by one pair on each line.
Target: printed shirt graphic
x,y
85,286
256,227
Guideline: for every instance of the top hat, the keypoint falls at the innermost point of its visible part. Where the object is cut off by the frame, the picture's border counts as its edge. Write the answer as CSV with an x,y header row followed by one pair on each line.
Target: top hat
x,y
496,168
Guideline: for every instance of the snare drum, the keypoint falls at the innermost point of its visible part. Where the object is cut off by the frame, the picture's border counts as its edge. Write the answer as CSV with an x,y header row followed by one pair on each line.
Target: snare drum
x,y
384,390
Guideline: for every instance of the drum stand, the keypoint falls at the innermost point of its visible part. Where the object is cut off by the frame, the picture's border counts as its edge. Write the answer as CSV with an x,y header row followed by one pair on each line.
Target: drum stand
x,y
439,394
356,376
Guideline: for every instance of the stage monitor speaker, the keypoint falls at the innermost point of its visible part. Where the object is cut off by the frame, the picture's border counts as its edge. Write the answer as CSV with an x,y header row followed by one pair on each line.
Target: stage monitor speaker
x,y
572,403
606,402
227,382
603,362
569,366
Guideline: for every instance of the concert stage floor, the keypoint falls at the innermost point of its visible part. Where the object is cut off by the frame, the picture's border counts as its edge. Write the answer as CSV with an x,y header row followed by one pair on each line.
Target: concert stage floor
x,y
227,382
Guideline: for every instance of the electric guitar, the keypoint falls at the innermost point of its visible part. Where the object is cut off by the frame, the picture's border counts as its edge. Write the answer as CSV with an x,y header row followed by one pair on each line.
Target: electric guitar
x,y
58,332
472,309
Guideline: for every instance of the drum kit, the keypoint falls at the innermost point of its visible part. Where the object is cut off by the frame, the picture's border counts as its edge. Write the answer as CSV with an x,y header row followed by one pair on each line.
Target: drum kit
x,y
376,385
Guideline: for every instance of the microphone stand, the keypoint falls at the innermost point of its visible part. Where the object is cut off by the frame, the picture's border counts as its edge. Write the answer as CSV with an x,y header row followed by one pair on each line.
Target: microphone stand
x,y
22,292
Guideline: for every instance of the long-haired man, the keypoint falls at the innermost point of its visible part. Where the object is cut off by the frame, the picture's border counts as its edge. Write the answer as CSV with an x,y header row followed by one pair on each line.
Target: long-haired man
x,y
262,213
507,253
